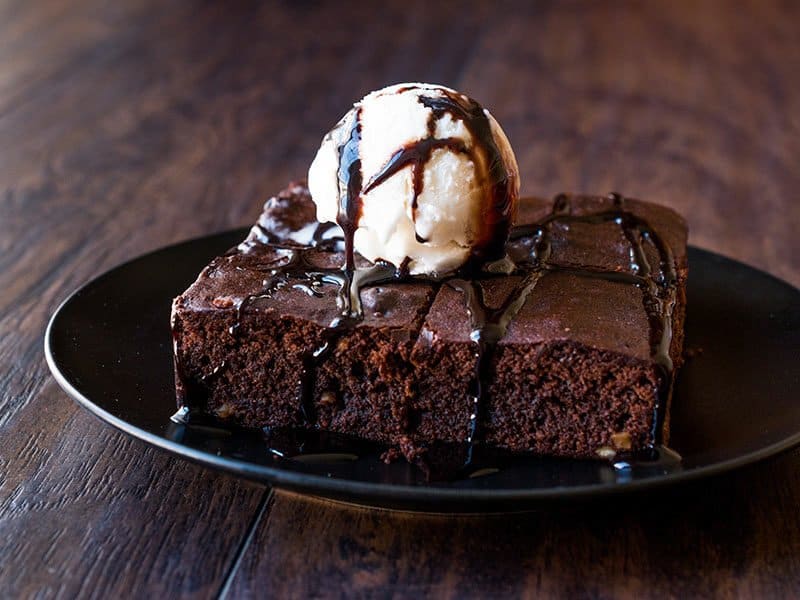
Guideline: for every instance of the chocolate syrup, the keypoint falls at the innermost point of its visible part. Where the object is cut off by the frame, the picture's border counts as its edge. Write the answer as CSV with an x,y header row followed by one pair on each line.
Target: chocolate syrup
x,y
498,213
415,155
350,182
658,293
488,325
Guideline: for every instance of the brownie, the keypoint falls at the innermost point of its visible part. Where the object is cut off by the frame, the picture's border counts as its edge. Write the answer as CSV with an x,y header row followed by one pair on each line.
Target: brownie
x,y
573,353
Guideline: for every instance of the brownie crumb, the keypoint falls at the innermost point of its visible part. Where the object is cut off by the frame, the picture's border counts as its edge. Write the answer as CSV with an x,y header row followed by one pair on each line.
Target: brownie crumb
x,y
223,302
412,451
391,455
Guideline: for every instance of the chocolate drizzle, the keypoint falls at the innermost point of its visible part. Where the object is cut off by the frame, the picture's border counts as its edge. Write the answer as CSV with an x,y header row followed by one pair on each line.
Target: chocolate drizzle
x,y
299,272
488,325
488,328
493,178
416,155
658,291
496,220
350,182
498,211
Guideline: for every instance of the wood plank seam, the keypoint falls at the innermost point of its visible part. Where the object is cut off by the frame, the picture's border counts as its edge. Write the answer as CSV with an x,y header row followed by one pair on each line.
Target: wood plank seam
x,y
264,505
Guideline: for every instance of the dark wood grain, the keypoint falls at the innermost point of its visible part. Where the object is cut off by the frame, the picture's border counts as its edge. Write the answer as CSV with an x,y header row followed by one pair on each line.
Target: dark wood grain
x,y
88,512
127,126
729,536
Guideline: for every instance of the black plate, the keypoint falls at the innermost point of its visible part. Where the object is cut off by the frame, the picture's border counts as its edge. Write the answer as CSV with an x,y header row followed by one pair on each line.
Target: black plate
x,y
109,347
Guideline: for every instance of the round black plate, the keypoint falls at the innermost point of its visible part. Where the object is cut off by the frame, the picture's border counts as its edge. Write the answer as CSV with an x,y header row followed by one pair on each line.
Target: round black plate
x,y
736,401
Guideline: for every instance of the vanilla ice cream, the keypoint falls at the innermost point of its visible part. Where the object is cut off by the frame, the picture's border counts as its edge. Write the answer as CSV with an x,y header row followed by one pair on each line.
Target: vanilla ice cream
x,y
420,175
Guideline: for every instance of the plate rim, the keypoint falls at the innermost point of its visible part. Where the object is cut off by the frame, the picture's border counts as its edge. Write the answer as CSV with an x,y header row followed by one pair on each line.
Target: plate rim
x,y
361,492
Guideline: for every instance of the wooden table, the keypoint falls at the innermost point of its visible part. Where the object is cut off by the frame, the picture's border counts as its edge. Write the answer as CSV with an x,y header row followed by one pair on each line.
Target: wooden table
x,y
128,126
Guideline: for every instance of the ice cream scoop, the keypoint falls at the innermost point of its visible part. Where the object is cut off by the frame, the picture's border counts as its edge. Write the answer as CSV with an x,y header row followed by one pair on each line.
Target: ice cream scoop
x,y
418,175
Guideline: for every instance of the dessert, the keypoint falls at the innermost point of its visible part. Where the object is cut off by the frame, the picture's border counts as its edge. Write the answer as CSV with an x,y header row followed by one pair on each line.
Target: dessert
x,y
434,180
558,336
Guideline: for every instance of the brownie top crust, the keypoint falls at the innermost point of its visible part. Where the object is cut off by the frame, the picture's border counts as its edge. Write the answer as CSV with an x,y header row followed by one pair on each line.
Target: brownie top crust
x,y
578,297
